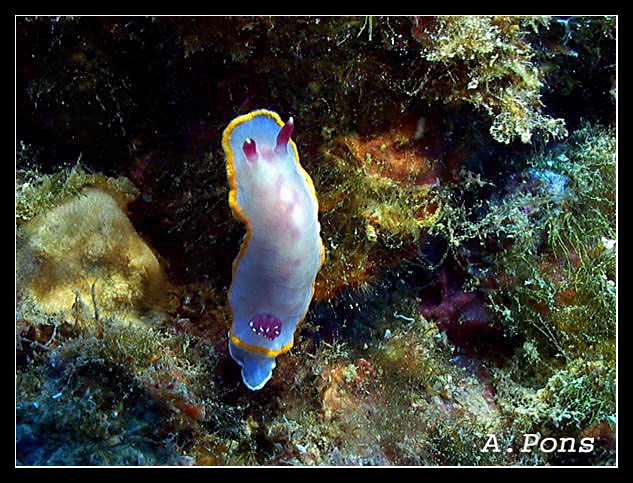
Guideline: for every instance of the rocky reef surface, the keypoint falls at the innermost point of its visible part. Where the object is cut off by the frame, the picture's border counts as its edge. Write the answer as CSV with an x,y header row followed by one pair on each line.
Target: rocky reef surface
x,y
466,175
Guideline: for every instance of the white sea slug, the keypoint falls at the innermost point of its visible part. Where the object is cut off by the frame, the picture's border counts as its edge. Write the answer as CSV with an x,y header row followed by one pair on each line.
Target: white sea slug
x,y
282,252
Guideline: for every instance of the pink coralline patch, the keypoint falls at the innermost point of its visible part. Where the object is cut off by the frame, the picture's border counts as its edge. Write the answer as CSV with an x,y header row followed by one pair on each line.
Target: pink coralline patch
x,y
343,389
464,317
406,153
455,307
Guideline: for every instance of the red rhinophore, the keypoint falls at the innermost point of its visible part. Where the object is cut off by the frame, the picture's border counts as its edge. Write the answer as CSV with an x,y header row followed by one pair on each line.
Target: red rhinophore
x,y
284,136
266,325
250,150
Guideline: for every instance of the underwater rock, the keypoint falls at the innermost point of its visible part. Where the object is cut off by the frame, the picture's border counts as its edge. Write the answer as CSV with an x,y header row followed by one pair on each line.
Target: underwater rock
x,y
519,337
84,259
466,319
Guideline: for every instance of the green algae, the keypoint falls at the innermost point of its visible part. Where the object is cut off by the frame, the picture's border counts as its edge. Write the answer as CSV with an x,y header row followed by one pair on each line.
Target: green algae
x,y
567,267
487,62
557,289
37,192
389,389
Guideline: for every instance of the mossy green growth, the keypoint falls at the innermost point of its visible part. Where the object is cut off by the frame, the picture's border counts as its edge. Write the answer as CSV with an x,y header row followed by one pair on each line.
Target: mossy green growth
x,y
366,220
85,414
36,192
122,345
581,396
561,274
570,403
74,422
553,259
554,231
104,392
487,62
417,354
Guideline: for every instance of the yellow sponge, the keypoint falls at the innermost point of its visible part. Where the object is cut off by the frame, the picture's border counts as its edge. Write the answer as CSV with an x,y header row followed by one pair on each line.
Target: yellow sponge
x,y
85,253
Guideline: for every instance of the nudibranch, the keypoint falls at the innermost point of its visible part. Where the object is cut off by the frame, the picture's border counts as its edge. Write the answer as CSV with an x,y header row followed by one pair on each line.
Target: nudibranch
x,y
282,252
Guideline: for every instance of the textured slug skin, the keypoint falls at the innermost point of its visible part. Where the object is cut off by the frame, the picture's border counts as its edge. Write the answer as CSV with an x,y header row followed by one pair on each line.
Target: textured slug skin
x,y
281,253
